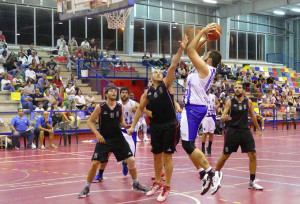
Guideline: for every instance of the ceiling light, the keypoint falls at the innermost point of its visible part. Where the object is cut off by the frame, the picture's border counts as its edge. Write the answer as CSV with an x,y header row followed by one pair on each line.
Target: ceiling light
x,y
89,18
210,1
18,34
142,28
60,23
279,12
174,27
296,10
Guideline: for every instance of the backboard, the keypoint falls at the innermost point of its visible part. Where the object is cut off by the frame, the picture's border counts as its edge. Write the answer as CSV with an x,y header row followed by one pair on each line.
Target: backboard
x,y
69,9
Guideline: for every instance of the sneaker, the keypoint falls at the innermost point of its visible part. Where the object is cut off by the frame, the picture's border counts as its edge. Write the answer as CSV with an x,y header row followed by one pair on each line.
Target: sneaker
x,y
43,147
84,192
155,187
53,146
125,168
208,151
98,178
203,150
164,194
216,182
139,187
206,183
255,185
33,146
146,139
138,139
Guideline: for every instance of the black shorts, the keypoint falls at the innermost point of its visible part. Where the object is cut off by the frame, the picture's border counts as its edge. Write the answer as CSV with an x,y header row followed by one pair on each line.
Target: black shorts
x,y
164,137
238,137
118,146
38,131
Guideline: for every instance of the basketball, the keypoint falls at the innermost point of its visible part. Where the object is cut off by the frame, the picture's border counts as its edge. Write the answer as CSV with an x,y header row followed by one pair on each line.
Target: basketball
x,y
216,34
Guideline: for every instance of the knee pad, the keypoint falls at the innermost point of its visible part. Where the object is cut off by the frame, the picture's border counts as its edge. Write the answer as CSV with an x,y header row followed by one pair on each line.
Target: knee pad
x,y
188,146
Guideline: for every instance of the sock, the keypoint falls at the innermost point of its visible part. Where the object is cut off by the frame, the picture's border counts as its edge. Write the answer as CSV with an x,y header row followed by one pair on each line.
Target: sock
x,y
209,144
203,145
145,135
210,171
101,172
135,180
201,173
88,184
252,177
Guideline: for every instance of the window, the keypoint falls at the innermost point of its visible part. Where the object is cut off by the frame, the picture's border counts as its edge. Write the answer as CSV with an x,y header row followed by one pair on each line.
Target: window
x,y
78,29
109,37
232,46
138,45
61,28
151,36
25,25
154,12
189,31
44,27
202,49
7,22
242,45
260,47
164,38
176,36
251,47
94,29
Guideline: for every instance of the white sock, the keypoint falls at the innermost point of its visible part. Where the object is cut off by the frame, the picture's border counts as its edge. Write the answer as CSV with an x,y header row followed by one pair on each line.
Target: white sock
x,y
135,180
208,169
145,135
88,184
262,127
200,170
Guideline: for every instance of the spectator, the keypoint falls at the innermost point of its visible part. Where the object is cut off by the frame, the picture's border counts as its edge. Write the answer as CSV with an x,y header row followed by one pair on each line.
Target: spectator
x,y
49,98
163,61
182,72
39,108
23,59
116,58
38,97
34,64
85,44
132,97
247,80
18,83
72,115
254,77
70,92
73,45
105,67
89,99
57,81
62,93
79,52
91,108
62,115
26,101
51,66
29,88
30,73
60,41
3,59
43,83
275,84
20,126
234,70
93,44
145,58
21,50
55,115
285,89
290,98
4,48
33,56
54,91
101,55
285,84
6,84
29,51
39,72
72,80
71,63
44,128
63,50
80,101
2,37
270,79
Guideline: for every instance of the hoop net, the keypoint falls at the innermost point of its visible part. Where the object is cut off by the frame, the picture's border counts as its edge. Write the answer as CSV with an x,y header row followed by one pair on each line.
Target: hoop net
x,y
117,19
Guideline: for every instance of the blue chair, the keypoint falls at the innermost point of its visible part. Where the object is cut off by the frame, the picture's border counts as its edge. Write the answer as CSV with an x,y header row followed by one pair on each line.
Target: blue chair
x,y
257,69
297,90
283,74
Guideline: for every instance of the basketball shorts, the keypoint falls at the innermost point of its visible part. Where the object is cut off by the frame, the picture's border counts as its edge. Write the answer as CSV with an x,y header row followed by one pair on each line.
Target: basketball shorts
x,y
191,117
118,146
131,139
208,125
238,137
164,137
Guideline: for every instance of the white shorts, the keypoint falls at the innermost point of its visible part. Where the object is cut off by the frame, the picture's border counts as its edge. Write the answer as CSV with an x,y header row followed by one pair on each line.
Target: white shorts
x,y
130,141
208,125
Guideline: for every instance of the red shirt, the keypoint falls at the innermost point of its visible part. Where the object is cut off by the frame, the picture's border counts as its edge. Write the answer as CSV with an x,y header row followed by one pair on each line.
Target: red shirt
x,y
79,53
58,83
2,38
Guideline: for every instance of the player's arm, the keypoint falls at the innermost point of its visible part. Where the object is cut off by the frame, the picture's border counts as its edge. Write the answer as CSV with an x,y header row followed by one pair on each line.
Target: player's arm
x,y
195,45
217,103
169,79
253,117
178,108
122,122
138,113
225,117
91,125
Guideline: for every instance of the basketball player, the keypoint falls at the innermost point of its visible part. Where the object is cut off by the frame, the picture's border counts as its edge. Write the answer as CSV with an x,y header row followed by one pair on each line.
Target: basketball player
x,y
209,122
110,139
195,99
238,133
164,128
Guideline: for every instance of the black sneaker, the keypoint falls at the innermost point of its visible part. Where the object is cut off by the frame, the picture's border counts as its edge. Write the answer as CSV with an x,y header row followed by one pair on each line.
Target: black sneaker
x,y
139,187
208,151
84,192
203,150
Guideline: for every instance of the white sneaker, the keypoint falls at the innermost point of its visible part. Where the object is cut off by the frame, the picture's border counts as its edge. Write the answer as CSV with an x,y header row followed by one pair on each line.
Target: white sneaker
x,y
206,183
164,194
216,182
255,185
33,146
146,139
138,139
155,187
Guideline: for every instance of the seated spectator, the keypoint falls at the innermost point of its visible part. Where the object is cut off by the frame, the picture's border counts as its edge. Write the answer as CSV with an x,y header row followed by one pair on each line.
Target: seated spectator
x,y
285,89
39,72
30,73
290,98
39,108
49,98
85,44
54,91
89,99
71,63
20,126
38,97
116,58
62,93
270,79
94,55
57,81
63,50
73,45
33,56
43,65
44,128
79,52
34,65
80,101
43,83
163,61
247,80
2,37
29,88
3,59
23,59
29,51
18,82
275,85
286,84
4,48
254,77
60,41
101,55
91,108
93,44
63,115
6,84
182,72
10,65
72,115
105,67
131,96
72,80
22,51
26,101
70,92
145,59
234,70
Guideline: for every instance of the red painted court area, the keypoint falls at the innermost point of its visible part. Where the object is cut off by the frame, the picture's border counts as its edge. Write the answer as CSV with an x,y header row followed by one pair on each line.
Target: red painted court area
x,y
56,176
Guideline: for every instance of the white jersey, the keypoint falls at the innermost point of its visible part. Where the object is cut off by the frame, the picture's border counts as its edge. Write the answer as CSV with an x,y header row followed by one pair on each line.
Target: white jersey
x,y
128,115
211,101
196,88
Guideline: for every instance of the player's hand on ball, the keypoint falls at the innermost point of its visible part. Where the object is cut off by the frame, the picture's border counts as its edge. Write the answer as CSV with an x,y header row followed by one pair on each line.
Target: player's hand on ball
x,y
210,27
130,131
100,138
184,42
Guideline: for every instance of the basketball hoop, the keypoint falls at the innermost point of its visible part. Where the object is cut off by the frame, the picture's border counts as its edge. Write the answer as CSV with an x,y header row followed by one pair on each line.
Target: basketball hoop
x,y
117,19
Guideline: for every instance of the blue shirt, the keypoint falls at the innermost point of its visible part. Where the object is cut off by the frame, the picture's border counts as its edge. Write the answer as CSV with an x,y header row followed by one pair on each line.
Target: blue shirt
x,y
20,124
43,82
41,122
90,109
23,99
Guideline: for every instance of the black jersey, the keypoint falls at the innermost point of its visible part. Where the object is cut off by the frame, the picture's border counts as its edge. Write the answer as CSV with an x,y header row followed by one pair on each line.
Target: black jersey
x,y
109,121
239,114
161,103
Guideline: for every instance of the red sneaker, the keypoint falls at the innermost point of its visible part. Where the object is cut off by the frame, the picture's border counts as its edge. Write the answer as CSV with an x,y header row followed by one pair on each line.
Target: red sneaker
x,y
155,187
164,194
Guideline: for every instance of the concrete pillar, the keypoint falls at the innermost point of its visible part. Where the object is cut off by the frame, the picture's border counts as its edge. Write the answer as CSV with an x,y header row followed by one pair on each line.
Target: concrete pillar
x,y
128,34
225,38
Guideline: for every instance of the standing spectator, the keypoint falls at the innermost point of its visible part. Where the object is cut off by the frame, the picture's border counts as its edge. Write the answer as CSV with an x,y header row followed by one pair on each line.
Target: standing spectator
x,y
60,41
93,44
44,128
63,50
89,99
54,91
33,56
29,51
2,37
20,126
79,52
43,83
70,92
73,45
85,44
26,101
57,81
6,84
80,101
29,88
39,108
